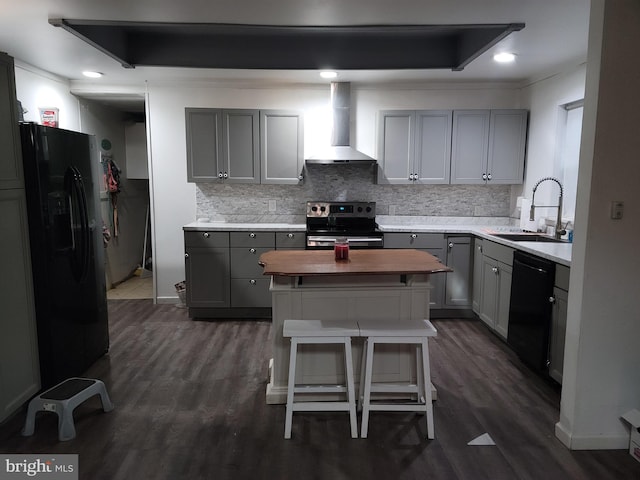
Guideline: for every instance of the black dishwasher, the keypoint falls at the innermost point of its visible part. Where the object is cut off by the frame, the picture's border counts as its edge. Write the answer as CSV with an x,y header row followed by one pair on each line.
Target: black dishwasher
x,y
530,309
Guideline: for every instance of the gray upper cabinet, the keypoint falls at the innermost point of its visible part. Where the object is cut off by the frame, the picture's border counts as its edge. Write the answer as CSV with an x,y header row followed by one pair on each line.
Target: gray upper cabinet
x,y
281,146
433,147
222,145
414,146
470,146
204,128
240,146
507,142
396,129
10,167
488,146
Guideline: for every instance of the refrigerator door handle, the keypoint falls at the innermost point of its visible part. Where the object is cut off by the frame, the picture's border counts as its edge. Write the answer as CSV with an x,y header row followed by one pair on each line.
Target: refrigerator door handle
x,y
80,244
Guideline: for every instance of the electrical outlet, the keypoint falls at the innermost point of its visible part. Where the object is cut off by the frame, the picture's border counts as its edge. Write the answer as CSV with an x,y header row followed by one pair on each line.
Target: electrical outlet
x,y
617,209
272,205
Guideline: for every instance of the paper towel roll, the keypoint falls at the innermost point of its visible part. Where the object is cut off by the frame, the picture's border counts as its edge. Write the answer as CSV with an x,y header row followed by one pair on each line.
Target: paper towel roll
x,y
525,223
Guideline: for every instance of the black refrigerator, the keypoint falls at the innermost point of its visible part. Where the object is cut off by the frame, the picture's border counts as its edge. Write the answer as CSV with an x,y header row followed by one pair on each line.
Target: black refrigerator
x,y
62,174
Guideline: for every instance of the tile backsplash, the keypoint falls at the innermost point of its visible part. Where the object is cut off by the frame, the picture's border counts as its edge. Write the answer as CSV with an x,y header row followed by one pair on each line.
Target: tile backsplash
x,y
250,203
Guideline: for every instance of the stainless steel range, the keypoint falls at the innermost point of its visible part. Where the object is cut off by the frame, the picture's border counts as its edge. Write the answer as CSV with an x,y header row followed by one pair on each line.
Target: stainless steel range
x,y
355,221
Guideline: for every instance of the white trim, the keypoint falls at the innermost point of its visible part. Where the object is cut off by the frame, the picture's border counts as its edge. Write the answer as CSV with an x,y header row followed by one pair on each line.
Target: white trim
x,y
591,442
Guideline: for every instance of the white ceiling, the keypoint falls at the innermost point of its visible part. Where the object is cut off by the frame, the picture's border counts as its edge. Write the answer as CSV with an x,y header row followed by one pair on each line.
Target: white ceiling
x,y
554,38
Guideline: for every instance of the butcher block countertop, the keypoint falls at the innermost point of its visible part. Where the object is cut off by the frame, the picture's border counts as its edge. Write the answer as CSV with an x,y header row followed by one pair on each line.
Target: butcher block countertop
x,y
302,263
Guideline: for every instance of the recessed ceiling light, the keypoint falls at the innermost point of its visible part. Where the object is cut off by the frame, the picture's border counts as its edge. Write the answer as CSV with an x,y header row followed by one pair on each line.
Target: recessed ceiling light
x,y
328,74
504,57
90,74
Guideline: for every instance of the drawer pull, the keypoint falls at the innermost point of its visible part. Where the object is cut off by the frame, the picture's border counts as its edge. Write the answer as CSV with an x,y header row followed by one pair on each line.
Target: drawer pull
x,y
205,234
186,255
414,235
252,235
290,235
252,281
252,250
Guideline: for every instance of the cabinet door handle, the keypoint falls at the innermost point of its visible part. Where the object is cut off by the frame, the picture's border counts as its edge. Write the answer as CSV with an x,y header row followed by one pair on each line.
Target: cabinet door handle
x,y
225,175
480,248
252,281
186,255
252,250
488,176
414,235
450,244
300,177
484,176
552,299
252,235
219,174
206,235
495,270
290,235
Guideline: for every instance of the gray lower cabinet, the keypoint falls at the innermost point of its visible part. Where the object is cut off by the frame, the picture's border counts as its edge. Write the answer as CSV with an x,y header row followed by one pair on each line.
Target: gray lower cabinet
x,y
495,289
19,367
224,278
249,287
244,145
488,146
458,283
207,269
414,146
558,322
432,243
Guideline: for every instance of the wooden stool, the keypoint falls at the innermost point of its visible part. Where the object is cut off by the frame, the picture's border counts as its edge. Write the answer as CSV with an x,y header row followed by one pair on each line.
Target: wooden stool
x,y
63,399
414,332
320,332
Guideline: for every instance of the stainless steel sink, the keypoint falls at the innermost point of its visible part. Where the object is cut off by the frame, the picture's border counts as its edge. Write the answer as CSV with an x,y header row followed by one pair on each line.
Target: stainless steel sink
x,y
528,237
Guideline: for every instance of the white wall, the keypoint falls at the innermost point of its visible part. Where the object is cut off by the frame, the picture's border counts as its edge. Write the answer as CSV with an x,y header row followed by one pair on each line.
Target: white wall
x,y
543,99
174,200
601,375
36,88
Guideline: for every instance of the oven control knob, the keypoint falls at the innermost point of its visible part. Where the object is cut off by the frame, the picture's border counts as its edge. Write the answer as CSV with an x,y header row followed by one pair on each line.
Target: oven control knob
x,y
359,209
323,208
314,209
368,209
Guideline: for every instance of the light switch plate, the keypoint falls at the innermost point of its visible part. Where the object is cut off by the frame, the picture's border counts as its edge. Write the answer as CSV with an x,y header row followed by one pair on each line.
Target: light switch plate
x,y
272,205
617,209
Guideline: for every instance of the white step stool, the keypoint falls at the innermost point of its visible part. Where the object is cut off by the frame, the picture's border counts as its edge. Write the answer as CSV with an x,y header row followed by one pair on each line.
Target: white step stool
x,y
416,332
320,332
63,399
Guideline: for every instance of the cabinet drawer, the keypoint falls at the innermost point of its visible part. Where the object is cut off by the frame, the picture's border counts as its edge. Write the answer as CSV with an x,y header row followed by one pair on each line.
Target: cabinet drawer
x,y
253,239
562,277
250,292
498,252
290,240
413,240
244,261
206,239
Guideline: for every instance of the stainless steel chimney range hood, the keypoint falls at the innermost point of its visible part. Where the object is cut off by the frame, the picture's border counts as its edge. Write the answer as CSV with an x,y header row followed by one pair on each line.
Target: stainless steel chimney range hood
x,y
340,151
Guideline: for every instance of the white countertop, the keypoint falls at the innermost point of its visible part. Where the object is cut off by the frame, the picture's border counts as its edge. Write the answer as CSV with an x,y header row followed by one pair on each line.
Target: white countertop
x,y
230,227
556,252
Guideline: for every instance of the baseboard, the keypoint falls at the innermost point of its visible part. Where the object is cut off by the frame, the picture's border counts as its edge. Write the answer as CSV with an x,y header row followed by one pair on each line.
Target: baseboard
x,y
596,442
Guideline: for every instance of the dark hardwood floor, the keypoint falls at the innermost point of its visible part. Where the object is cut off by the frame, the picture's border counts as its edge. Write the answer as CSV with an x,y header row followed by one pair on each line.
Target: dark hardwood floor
x,y
190,404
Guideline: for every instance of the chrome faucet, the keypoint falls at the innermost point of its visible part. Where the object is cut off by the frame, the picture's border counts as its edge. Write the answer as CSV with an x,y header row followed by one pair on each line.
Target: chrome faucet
x,y
559,229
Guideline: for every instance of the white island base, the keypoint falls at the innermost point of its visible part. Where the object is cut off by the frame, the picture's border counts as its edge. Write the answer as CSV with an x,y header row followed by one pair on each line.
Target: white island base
x,y
349,297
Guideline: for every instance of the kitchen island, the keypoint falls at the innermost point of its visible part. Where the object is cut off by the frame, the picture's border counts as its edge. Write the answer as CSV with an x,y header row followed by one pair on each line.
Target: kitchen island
x,y
371,284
